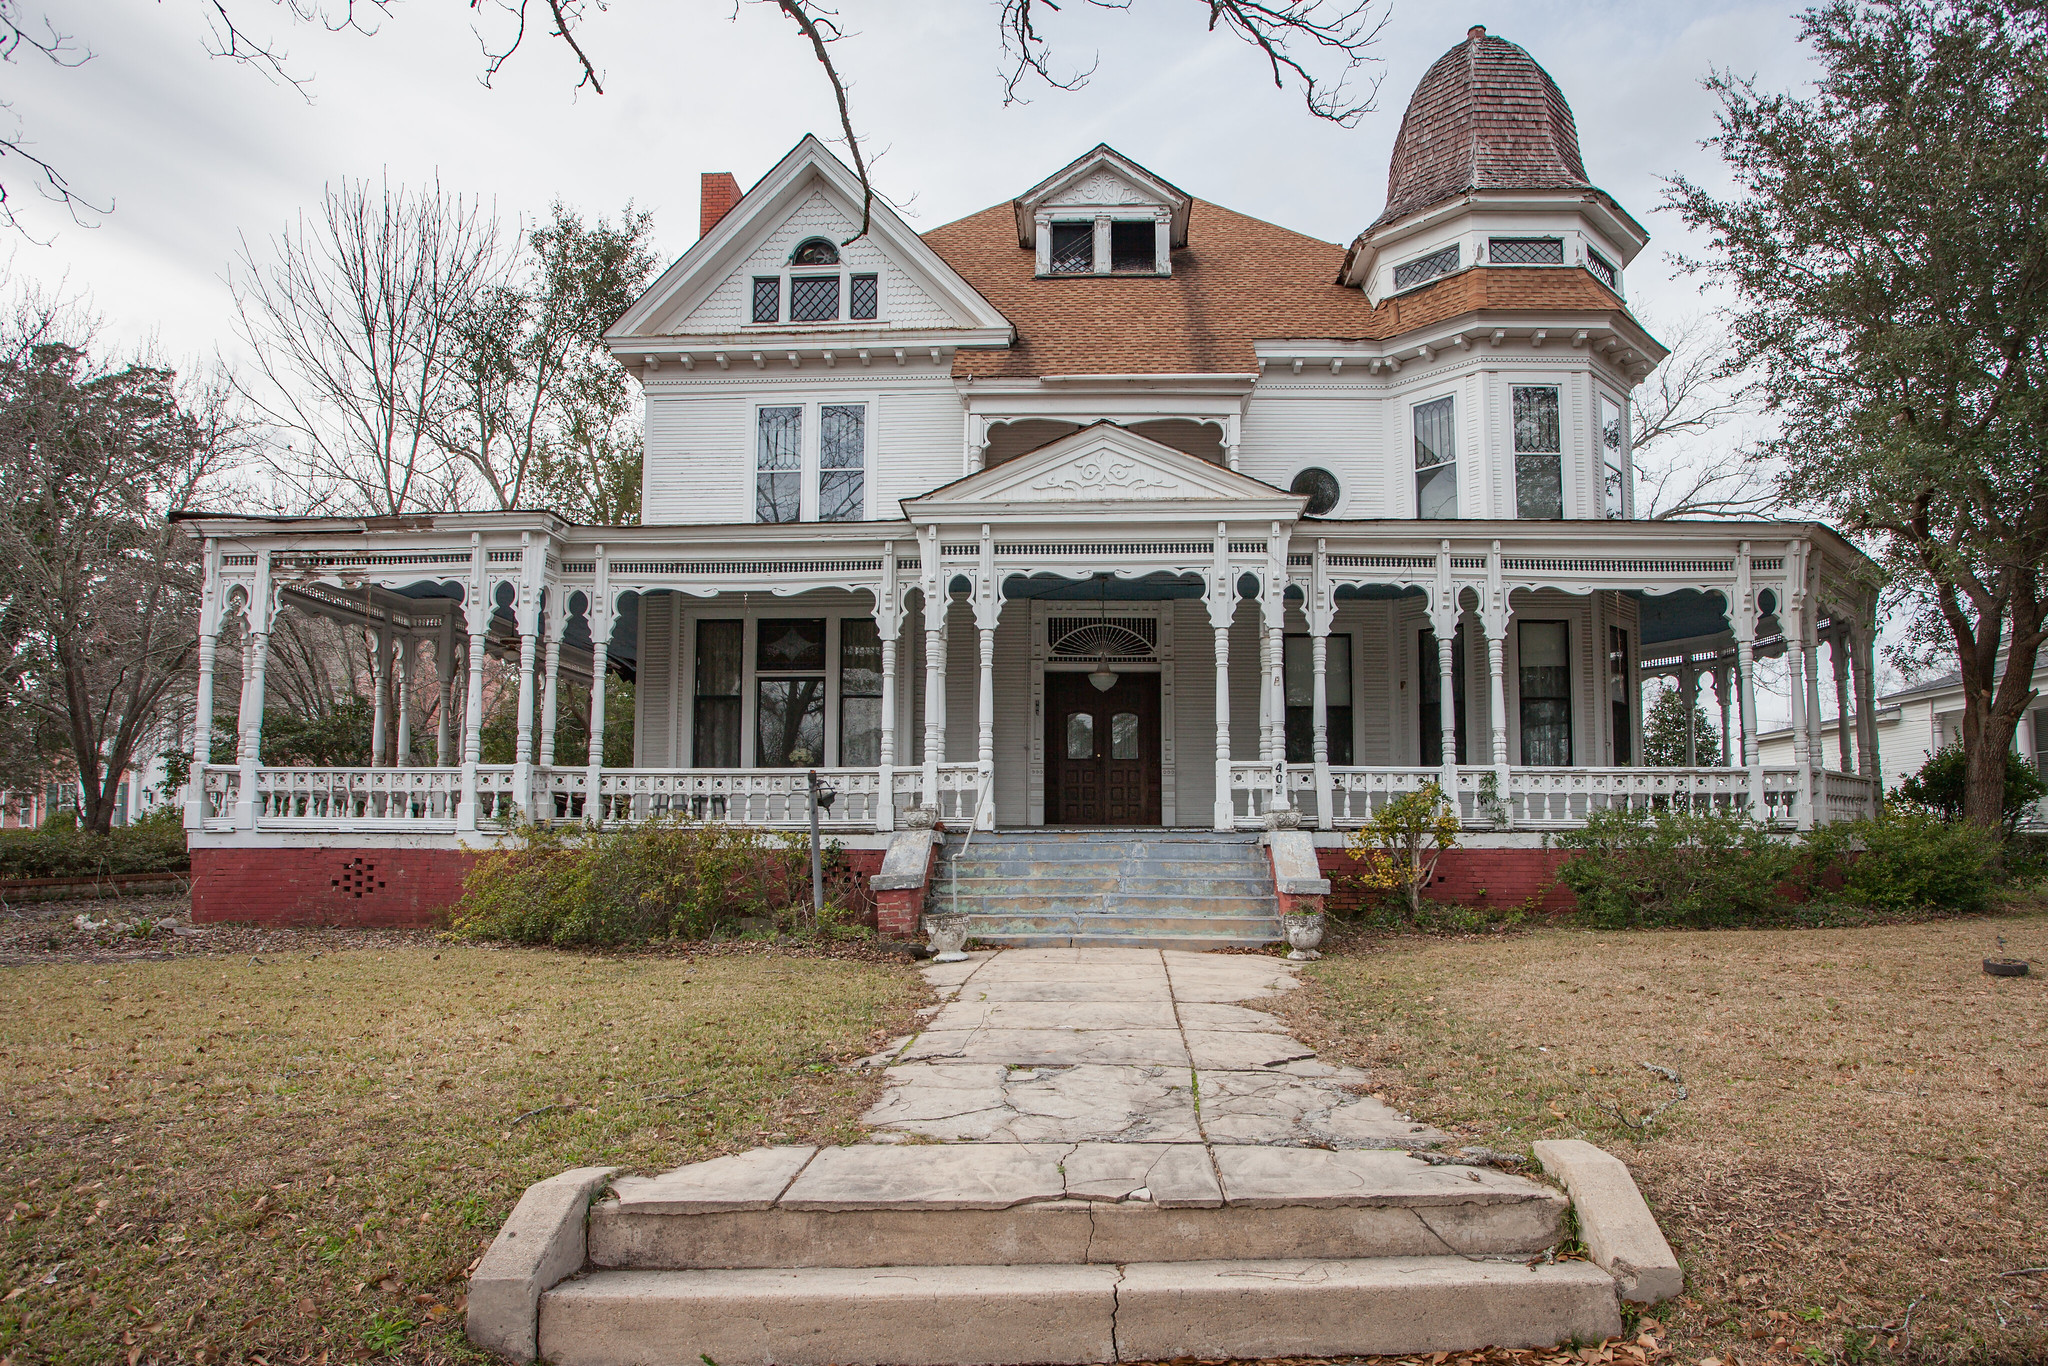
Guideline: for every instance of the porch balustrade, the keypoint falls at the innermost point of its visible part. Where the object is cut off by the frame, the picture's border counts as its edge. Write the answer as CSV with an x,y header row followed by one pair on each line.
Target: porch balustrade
x,y
323,797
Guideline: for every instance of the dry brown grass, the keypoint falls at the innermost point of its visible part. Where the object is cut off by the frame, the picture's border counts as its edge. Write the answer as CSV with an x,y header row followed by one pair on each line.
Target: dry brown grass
x,y
299,1157
1865,1131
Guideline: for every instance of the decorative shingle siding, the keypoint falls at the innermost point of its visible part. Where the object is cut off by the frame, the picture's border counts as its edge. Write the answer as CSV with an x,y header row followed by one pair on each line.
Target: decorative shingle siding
x,y
1485,117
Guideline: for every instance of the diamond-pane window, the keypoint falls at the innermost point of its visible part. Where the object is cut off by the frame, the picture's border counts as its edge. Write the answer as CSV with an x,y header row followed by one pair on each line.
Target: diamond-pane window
x,y
864,297
1426,268
1526,251
1073,248
814,299
767,299
1603,270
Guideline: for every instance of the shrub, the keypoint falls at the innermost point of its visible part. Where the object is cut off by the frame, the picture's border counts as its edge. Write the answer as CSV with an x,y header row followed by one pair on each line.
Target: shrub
x,y
1398,849
1939,785
1909,858
672,879
1676,867
155,844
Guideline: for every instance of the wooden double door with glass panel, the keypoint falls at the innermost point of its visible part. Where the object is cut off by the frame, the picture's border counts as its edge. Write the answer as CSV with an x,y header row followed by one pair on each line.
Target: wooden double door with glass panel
x,y
1102,752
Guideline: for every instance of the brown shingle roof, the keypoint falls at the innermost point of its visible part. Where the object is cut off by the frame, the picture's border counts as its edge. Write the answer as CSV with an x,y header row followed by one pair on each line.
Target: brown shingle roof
x,y
1238,281
1485,117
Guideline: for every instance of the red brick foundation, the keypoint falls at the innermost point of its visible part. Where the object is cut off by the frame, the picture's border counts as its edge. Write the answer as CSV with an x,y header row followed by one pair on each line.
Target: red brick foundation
x,y
898,910
382,888
1498,879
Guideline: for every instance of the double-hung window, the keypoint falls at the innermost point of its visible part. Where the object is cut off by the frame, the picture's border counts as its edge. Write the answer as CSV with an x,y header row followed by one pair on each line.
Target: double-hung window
x,y
842,461
1544,682
1436,458
1430,696
1300,679
778,463
715,711
1613,459
810,462
1539,452
1619,675
789,692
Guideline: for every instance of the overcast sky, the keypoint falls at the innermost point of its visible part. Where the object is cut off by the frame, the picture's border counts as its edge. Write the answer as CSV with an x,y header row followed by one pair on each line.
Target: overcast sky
x,y
195,153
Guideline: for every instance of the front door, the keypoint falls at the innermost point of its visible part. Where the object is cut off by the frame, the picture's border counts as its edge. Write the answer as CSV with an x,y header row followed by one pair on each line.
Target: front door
x,y
1102,750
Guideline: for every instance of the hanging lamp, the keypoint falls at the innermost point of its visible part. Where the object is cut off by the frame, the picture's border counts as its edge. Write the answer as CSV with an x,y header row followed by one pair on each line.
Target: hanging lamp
x,y
1103,677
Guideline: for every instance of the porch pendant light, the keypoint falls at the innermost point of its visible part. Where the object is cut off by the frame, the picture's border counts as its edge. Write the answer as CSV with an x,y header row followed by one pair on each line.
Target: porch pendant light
x,y
1103,677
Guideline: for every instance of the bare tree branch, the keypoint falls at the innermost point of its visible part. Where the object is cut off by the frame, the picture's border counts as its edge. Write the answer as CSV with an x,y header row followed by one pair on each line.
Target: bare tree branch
x,y
1689,395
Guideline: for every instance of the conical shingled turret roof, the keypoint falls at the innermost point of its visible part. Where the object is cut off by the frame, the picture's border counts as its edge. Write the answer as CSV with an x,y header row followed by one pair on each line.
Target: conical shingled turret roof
x,y
1485,117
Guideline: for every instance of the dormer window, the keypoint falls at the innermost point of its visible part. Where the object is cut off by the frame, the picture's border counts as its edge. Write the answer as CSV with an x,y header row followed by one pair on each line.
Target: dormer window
x,y
1525,251
1073,248
1425,268
815,251
1133,246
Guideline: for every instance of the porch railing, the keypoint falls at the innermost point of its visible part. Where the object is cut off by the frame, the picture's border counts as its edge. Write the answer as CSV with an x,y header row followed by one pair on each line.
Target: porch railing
x,y
1846,797
396,797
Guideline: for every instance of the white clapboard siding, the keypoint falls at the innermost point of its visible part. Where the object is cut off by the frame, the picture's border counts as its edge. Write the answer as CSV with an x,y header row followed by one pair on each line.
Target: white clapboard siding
x,y
696,452
920,444
1285,433
1194,714
1013,715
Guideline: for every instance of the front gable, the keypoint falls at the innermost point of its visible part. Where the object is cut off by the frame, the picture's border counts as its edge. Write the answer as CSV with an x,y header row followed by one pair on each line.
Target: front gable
x,y
809,194
1105,468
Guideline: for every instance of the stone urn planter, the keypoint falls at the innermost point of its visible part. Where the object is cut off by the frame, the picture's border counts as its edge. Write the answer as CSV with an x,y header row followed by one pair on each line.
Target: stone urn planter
x,y
946,933
1304,930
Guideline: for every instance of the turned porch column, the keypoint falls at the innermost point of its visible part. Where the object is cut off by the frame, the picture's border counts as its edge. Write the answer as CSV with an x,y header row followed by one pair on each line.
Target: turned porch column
x,y
1742,612
1273,610
1493,619
935,601
988,609
1721,697
1838,655
1861,666
444,683
202,697
888,626
407,648
1689,694
558,627
380,686
255,659
598,612
1321,610
477,618
1221,601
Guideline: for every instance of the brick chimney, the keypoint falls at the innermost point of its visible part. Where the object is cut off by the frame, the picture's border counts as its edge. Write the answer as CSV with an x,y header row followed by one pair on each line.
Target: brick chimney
x,y
720,193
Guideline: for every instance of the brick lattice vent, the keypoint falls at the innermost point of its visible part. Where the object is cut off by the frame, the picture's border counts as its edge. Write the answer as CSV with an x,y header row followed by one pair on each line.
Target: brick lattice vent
x,y
358,879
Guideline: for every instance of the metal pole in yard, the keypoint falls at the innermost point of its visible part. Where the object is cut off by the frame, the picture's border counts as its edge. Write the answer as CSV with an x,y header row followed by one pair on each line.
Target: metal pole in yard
x,y
817,860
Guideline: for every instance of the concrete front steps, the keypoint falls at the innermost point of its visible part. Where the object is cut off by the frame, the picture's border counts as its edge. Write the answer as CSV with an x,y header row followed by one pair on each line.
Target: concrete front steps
x,y
979,1254
1175,889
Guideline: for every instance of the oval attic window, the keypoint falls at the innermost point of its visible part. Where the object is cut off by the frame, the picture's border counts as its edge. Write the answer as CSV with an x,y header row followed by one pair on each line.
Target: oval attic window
x,y
1319,486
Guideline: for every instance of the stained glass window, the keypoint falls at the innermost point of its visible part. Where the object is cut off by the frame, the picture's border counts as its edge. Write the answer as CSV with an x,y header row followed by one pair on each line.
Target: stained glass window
x,y
1320,487
778,481
815,251
1123,735
1080,736
864,297
1539,464
1436,458
814,299
1613,459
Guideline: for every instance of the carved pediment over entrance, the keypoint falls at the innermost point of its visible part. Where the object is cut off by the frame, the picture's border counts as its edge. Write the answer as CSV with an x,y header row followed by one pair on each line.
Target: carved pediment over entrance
x,y
1104,463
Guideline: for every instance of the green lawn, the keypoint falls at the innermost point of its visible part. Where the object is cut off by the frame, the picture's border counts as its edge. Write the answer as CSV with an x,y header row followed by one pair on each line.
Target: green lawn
x,y
299,1158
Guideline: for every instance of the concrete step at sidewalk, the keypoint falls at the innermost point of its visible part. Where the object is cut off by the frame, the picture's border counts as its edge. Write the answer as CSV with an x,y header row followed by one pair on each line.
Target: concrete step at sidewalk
x,y
1061,1313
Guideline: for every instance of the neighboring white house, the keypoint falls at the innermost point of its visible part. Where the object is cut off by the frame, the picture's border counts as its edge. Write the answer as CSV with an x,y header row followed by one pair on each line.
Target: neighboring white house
x,y
1914,722
1101,506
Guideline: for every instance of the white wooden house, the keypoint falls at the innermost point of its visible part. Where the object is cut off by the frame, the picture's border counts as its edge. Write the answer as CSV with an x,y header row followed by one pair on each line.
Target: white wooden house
x,y
1106,505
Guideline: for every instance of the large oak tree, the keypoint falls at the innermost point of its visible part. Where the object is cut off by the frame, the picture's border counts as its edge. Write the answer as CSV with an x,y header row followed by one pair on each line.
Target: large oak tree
x,y
1887,242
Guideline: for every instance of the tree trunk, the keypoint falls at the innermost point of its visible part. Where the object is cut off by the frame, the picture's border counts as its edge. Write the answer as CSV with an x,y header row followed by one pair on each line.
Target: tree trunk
x,y
1994,702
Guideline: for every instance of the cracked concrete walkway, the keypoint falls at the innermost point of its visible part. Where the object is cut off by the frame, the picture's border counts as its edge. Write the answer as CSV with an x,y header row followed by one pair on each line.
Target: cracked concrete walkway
x,y
1113,1045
